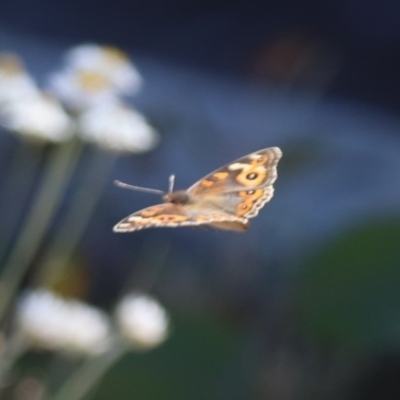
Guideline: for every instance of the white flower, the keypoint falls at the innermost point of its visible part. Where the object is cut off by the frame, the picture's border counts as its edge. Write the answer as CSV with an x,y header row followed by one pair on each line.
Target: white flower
x,y
110,61
93,75
15,83
50,322
81,89
38,116
116,127
142,321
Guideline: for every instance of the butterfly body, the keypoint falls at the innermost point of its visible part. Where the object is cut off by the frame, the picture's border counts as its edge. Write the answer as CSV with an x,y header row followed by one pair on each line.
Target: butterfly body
x,y
178,197
224,199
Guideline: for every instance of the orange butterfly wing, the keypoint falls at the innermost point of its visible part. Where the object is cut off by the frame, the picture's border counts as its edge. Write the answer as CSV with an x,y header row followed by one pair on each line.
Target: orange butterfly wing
x,y
170,215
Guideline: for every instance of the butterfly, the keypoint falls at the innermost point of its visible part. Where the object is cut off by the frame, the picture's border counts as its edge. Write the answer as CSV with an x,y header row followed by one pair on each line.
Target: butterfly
x,y
224,199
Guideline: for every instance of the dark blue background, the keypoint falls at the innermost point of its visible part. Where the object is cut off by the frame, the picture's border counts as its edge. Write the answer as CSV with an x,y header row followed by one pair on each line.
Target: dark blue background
x,y
312,288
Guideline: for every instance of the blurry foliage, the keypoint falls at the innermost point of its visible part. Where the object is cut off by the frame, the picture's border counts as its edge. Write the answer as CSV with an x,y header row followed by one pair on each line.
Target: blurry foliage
x,y
348,293
190,363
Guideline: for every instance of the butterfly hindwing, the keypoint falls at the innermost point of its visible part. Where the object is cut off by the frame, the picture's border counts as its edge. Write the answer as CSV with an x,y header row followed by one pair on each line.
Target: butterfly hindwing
x,y
172,215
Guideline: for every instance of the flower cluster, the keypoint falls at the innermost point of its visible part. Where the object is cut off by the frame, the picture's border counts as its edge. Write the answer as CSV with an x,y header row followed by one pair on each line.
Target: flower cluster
x,y
86,97
47,321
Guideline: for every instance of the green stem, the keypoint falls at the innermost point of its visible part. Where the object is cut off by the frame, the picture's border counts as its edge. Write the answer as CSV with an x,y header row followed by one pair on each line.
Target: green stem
x,y
15,190
57,175
71,227
89,374
13,350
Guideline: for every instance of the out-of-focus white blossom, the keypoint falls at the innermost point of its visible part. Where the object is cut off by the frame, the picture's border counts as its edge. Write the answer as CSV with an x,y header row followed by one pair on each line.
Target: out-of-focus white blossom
x,y
94,75
142,320
116,127
15,83
110,61
82,89
39,116
50,322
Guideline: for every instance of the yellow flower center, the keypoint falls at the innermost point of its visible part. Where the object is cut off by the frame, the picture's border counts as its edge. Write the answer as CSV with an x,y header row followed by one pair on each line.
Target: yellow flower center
x,y
10,64
92,81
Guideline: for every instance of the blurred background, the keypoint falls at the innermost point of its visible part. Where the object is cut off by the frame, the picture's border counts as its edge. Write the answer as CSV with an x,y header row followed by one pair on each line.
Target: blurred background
x,y
306,304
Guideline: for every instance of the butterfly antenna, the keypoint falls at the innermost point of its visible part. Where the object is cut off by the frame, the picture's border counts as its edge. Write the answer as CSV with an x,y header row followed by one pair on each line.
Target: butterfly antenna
x,y
138,188
171,183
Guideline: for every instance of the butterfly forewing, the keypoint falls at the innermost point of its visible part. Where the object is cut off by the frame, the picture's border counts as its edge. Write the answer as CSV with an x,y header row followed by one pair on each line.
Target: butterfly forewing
x,y
257,169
